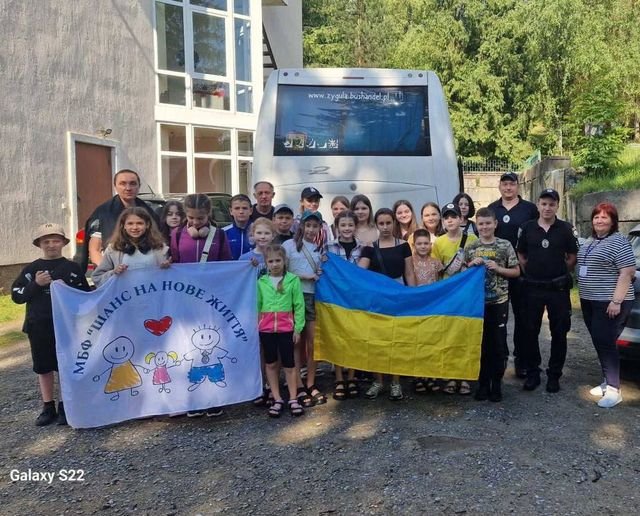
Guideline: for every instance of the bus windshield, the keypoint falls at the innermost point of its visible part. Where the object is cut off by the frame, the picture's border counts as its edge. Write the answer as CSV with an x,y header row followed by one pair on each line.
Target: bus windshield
x,y
352,121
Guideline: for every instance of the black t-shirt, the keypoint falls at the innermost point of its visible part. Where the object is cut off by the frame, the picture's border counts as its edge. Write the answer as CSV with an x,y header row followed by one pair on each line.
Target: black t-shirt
x,y
38,299
393,258
546,250
281,239
348,247
509,221
255,214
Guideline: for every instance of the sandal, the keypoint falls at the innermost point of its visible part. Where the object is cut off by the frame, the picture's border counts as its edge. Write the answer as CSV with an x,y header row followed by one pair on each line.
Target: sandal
x,y
295,409
419,386
303,398
276,409
433,385
340,391
318,398
451,387
263,401
352,389
464,389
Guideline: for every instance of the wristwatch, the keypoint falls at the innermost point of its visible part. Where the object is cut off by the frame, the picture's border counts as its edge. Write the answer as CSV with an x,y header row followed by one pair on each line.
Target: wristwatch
x,y
616,302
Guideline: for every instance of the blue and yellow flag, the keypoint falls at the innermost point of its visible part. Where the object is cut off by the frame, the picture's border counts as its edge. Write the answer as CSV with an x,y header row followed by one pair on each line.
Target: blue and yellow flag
x,y
370,322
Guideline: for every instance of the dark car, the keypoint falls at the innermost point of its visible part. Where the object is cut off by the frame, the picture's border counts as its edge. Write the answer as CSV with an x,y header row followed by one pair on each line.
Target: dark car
x,y
629,340
220,204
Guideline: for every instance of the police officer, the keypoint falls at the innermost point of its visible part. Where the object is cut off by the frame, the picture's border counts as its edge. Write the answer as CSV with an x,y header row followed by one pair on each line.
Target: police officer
x,y
547,249
511,212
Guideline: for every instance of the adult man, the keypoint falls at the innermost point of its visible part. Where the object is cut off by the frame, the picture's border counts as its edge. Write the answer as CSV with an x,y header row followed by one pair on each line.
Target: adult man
x,y
264,193
547,249
102,221
511,212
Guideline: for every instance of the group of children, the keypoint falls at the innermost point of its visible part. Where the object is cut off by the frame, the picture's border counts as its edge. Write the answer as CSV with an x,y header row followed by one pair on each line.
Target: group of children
x,y
288,252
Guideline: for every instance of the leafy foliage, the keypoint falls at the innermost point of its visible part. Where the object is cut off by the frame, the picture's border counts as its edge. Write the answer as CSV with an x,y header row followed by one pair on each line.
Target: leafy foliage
x,y
518,75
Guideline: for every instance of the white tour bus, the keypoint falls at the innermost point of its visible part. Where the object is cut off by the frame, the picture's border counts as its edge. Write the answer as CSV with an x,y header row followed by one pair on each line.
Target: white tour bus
x,y
382,133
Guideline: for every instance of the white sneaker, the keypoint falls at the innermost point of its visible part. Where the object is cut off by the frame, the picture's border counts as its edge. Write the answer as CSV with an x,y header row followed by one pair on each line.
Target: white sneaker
x,y
396,392
599,390
373,391
611,398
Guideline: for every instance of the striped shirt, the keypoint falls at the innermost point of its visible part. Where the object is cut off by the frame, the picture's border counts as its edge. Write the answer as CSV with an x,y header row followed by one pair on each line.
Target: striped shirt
x,y
599,264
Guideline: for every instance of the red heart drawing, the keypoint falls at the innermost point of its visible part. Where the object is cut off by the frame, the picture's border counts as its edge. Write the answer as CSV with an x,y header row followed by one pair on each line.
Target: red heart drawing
x,y
156,327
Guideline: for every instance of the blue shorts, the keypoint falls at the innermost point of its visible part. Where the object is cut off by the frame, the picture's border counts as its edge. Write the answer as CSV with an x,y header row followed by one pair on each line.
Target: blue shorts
x,y
215,373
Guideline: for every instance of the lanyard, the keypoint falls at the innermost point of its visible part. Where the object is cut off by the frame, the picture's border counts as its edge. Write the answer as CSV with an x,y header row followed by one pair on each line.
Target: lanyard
x,y
591,247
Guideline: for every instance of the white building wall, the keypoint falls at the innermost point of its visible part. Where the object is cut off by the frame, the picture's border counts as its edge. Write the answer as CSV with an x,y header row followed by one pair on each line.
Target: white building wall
x,y
69,66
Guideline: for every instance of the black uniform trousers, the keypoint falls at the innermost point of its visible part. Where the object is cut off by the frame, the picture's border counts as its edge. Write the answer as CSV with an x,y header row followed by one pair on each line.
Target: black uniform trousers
x,y
493,358
517,298
558,305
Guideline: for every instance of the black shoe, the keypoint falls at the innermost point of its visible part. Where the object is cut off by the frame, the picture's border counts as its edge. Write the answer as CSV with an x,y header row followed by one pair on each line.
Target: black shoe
x,y
482,392
532,382
62,417
521,373
553,384
48,415
495,393
214,411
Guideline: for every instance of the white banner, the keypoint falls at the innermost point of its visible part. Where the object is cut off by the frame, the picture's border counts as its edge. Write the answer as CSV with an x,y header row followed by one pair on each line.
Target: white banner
x,y
153,341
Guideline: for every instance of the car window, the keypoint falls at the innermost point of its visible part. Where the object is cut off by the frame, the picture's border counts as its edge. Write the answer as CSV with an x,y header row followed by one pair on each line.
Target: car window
x,y
635,244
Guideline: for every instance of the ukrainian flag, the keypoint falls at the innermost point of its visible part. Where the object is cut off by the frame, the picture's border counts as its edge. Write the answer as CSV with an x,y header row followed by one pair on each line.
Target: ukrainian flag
x,y
370,322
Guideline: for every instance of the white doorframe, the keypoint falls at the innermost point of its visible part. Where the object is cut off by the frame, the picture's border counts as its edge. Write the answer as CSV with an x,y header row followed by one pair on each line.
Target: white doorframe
x,y
72,193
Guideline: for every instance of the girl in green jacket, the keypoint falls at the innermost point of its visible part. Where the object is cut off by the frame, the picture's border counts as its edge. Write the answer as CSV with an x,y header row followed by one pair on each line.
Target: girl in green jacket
x,y
280,322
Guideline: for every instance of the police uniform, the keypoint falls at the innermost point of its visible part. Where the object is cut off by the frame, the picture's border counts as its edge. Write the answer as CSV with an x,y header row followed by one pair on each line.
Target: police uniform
x,y
509,221
546,284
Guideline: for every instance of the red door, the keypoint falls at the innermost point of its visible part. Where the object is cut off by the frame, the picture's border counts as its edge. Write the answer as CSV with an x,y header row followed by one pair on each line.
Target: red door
x,y
93,178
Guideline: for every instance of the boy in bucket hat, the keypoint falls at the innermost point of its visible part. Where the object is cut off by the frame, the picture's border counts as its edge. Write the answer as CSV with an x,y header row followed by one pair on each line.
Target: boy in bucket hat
x,y
32,287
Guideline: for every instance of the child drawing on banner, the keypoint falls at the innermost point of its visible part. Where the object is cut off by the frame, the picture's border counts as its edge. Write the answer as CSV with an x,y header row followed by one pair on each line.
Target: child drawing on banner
x,y
123,374
206,358
163,362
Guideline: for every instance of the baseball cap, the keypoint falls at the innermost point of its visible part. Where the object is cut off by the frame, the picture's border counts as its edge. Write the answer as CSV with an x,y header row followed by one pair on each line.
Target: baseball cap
x,y
282,207
509,176
450,208
310,191
550,192
308,214
49,229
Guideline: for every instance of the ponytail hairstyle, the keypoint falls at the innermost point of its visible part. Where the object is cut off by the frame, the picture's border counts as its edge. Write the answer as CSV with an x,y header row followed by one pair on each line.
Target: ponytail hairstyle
x,y
384,211
397,227
198,201
345,215
278,250
151,239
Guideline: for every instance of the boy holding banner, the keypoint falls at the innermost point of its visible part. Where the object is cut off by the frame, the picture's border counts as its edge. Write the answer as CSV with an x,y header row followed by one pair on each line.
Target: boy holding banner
x,y
501,262
32,287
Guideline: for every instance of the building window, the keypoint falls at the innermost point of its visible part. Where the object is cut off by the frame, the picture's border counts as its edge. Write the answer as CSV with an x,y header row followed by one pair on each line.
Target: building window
x,y
205,159
203,56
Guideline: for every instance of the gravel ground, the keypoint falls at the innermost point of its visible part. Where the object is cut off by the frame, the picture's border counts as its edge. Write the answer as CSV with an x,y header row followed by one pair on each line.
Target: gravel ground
x,y
535,453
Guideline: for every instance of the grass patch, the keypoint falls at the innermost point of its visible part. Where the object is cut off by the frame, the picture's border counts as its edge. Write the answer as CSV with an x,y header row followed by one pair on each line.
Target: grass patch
x,y
11,337
625,175
9,311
